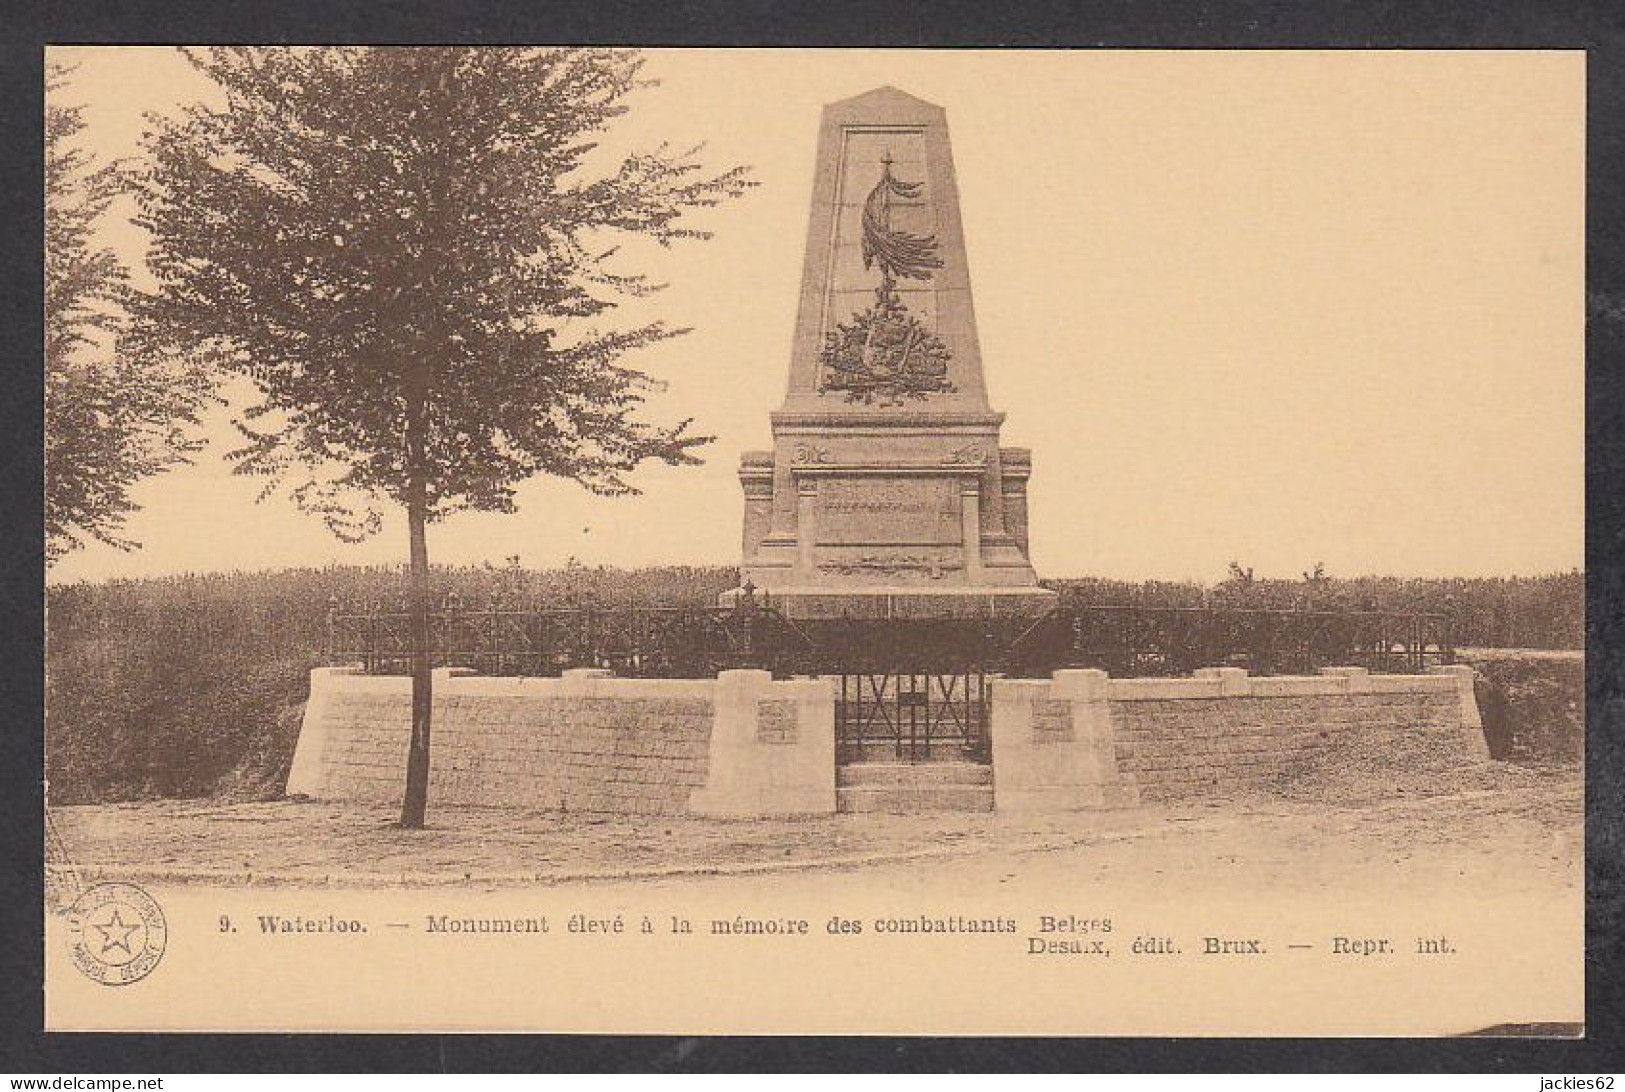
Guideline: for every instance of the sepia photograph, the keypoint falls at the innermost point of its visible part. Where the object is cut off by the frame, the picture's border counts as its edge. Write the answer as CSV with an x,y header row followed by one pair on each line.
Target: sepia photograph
x,y
815,542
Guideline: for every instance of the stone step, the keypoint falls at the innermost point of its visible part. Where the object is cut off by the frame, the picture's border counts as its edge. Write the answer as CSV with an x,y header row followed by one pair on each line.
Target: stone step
x,y
950,751
913,774
906,800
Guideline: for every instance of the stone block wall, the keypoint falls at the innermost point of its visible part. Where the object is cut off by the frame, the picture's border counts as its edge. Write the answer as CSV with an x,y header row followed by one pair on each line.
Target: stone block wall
x,y
740,744
584,743
1220,731
744,744
352,743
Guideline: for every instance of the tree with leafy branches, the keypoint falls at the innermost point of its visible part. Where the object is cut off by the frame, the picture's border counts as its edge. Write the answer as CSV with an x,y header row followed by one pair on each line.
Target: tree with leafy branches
x,y
113,414
411,253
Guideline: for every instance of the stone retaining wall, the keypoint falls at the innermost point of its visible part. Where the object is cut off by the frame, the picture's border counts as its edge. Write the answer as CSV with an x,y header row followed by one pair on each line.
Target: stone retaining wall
x,y
743,744
584,742
1083,740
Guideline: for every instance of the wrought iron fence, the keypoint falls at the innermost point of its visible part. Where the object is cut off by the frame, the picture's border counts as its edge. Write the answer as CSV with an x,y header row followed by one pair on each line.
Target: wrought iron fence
x,y
1136,641
499,639
503,639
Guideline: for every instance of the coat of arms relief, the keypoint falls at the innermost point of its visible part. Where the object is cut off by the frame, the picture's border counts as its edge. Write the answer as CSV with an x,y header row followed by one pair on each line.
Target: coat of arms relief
x,y
885,355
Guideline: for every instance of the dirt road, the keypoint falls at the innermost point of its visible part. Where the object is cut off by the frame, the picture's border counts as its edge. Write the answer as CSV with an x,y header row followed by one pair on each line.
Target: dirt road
x,y
1518,826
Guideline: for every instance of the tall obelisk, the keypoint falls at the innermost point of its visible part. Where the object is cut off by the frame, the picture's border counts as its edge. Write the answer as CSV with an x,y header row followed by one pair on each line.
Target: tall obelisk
x,y
886,492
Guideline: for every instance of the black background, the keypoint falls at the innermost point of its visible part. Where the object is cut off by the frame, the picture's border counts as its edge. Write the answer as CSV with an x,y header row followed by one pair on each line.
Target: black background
x,y
1512,24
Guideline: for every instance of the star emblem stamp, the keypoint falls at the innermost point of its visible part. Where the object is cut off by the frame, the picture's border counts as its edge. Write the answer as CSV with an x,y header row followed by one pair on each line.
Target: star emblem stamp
x,y
116,933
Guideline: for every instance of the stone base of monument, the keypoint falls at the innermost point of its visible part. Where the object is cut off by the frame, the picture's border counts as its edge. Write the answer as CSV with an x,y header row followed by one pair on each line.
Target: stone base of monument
x,y
900,602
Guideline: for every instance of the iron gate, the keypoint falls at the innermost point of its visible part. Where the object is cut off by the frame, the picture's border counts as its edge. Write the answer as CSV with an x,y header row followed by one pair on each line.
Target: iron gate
x,y
909,716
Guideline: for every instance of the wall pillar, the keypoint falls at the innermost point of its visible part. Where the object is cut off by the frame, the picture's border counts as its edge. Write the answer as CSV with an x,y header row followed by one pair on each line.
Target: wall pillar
x,y
807,526
1053,745
1233,681
1356,679
772,748
1015,469
756,480
970,520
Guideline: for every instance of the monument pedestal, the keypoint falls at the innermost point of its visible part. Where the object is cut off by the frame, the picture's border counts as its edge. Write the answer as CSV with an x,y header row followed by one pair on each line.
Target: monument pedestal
x,y
910,515
887,493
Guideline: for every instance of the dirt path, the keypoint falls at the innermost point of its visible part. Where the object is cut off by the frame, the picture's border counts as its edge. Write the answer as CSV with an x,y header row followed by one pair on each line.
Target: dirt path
x,y
1520,827
1492,861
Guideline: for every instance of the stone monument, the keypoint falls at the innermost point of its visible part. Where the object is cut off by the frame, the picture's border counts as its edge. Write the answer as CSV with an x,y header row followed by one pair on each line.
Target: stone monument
x,y
886,493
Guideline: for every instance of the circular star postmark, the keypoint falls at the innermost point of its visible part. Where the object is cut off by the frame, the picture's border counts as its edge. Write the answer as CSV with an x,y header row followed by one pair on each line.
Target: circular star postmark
x,y
116,933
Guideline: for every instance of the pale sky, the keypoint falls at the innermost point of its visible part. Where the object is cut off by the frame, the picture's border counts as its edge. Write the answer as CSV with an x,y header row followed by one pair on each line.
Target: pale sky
x,y
1278,307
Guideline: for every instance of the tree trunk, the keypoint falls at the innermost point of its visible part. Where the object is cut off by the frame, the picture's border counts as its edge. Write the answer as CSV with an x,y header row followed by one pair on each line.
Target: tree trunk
x,y
415,804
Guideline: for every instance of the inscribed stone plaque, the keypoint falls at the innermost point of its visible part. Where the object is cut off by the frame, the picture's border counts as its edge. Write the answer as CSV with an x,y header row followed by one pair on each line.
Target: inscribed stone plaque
x,y
888,511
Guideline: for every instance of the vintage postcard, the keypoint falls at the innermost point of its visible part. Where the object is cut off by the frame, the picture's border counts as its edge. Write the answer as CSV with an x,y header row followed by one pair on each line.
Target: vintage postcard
x,y
815,542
